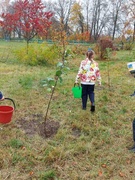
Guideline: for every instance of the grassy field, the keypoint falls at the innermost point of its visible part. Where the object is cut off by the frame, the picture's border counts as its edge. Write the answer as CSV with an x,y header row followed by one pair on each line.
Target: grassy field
x,y
86,146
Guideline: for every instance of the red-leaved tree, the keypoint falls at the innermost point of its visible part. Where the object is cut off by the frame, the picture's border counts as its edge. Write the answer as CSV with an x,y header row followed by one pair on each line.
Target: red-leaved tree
x,y
27,18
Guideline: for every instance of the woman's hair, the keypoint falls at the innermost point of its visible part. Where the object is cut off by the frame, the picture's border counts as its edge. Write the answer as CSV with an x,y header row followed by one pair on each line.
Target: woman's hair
x,y
89,54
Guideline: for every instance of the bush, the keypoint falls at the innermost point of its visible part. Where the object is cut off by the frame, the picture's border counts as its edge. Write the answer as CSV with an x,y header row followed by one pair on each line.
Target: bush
x,y
128,46
78,49
38,54
102,47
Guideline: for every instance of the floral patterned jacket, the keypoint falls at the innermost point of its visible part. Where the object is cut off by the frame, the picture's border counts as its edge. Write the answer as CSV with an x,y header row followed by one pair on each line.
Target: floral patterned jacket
x,y
88,72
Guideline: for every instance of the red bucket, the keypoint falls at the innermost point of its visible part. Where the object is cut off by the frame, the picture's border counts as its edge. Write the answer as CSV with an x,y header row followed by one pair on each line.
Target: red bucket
x,y
6,113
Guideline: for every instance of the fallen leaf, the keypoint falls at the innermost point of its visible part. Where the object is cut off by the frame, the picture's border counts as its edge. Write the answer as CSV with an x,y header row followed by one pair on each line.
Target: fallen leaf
x,y
128,162
104,165
74,163
23,147
100,173
31,173
121,174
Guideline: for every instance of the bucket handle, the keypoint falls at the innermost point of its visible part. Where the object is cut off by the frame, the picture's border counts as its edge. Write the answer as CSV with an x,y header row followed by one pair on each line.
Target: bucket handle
x,y
77,84
11,100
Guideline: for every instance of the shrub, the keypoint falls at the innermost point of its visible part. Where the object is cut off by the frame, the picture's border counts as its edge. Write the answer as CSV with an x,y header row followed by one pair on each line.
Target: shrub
x,y
78,49
102,46
128,46
38,54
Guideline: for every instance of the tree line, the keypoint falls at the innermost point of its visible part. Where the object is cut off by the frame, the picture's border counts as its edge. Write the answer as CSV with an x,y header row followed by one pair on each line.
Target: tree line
x,y
86,20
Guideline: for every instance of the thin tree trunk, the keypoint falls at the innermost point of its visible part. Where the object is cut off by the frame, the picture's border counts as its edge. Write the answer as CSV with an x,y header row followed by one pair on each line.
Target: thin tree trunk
x,y
27,47
114,28
134,33
45,120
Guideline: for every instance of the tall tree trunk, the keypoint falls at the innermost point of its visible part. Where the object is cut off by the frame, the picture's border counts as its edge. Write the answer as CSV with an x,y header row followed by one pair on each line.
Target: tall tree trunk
x,y
115,23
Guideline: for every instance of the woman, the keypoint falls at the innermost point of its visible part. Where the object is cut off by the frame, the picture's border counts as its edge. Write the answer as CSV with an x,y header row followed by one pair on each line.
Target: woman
x,y
88,74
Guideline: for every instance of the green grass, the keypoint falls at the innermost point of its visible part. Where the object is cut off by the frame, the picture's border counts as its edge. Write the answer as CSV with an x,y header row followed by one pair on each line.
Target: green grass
x,y
87,146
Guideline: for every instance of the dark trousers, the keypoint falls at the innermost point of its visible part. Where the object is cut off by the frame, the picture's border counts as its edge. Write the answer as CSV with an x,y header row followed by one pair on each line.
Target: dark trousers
x,y
87,91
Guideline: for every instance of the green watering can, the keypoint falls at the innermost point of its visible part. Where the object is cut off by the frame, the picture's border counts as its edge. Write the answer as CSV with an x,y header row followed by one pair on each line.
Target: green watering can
x,y
77,91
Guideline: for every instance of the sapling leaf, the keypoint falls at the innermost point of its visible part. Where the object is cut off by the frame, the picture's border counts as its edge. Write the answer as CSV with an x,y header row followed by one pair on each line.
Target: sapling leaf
x,y
49,89
58,73
60,78
67,53
60,64
65,61
50,79
67,68
44,81
51,83
45,85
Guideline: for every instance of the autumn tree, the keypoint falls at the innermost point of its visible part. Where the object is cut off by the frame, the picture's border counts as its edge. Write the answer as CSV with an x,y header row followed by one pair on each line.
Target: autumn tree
x,y
77,18
131,13
99,18
4,8
87,9
62,10
28,18
117,16
4,5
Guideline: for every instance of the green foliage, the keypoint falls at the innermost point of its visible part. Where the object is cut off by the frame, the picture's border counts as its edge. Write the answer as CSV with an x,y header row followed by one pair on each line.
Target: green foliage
x,y
15,143
58,73
26,82
105,98
133,53
38,54
128,46
68,54
61,68
48,175
16,158
48,82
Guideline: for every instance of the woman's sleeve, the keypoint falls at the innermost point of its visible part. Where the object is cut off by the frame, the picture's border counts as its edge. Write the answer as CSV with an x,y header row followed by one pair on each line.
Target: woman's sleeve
x,y
79,73
98,76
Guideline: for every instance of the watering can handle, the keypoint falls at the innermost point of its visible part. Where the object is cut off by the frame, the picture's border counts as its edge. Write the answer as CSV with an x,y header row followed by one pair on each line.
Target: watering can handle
x,y
12,101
